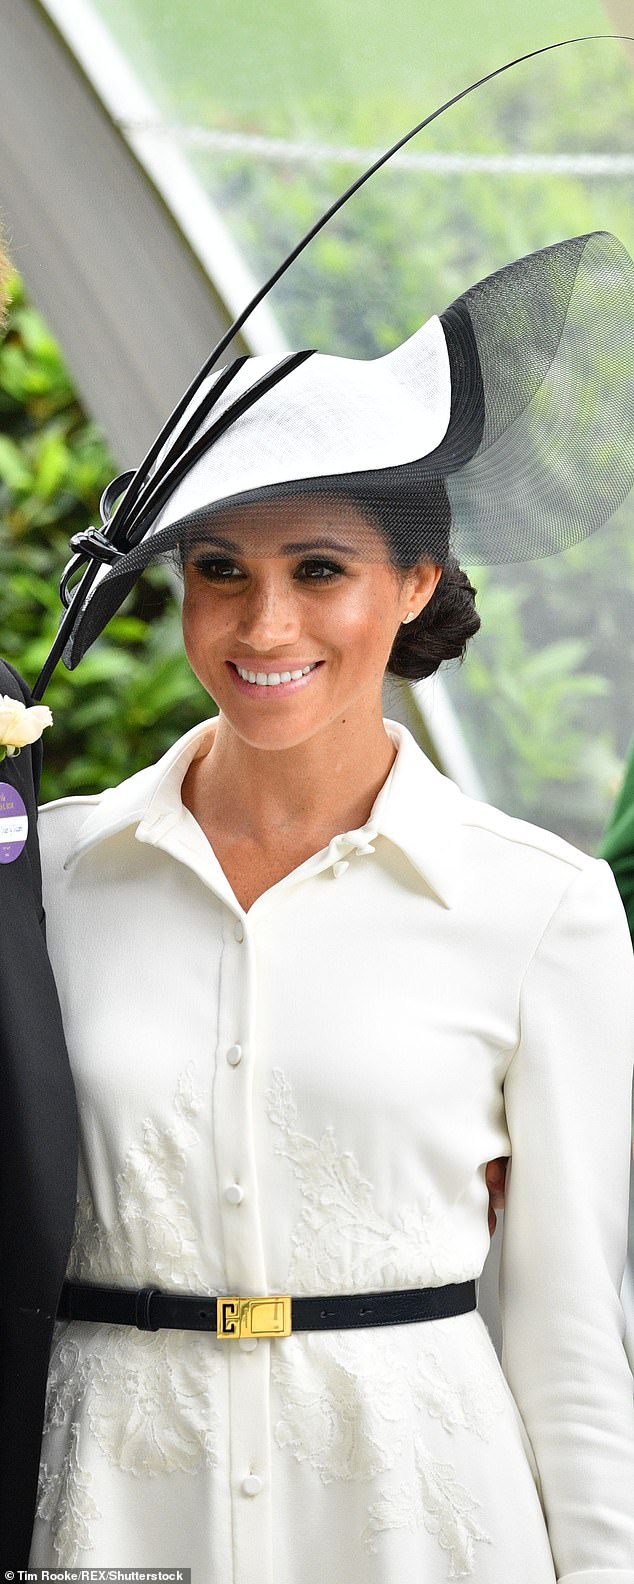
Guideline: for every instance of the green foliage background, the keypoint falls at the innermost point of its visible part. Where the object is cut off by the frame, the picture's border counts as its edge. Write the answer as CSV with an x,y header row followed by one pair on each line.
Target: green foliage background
x,y
545,697
134,692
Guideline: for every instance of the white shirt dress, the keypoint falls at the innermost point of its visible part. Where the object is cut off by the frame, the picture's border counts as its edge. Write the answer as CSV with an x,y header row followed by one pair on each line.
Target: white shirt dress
x,y
302,1098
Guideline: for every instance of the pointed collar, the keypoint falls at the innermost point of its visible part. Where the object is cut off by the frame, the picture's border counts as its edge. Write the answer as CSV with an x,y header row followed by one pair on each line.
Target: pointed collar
x,y
417,808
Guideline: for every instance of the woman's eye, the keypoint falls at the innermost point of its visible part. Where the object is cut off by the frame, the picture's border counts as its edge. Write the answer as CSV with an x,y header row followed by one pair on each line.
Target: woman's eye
x,y
215,569
221,571
328,570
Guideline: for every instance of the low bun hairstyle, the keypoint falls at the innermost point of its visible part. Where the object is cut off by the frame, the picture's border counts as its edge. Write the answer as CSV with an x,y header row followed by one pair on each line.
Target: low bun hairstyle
x,y
445,625
441,631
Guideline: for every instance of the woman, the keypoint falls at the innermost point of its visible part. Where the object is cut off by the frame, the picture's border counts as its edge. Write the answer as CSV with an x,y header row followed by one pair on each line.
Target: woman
x,y
309,989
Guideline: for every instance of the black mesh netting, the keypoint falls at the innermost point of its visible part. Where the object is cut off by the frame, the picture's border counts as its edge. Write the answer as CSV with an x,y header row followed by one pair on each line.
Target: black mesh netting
x,y
519,445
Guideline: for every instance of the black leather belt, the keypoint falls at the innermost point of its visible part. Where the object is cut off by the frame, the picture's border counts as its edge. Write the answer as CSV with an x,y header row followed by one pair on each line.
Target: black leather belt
x,y
267,1315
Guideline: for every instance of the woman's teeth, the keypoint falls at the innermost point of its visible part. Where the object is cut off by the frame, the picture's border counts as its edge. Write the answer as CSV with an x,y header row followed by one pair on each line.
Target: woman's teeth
x,y
272,678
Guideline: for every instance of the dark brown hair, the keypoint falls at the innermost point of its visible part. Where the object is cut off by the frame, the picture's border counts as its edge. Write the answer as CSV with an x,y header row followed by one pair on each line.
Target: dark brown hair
x,y
445,625
441,631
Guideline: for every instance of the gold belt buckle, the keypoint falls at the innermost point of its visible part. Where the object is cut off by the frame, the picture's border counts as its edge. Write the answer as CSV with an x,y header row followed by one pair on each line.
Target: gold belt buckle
x,y
268,1316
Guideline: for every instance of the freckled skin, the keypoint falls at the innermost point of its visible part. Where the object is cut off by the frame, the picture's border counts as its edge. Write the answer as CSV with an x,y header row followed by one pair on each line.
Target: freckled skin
x,y
269,612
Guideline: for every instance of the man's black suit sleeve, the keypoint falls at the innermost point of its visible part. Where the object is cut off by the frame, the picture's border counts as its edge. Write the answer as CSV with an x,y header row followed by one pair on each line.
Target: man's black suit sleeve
x,y
38,1159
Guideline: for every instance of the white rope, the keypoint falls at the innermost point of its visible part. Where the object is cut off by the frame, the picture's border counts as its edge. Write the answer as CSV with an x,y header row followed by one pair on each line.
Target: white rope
x,y
285,152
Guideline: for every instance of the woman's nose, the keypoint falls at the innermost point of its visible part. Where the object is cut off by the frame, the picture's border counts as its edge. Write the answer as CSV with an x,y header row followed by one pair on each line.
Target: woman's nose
x,y
268,614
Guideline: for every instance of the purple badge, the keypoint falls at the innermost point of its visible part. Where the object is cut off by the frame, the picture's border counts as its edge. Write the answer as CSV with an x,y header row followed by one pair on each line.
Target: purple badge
x,y
14,823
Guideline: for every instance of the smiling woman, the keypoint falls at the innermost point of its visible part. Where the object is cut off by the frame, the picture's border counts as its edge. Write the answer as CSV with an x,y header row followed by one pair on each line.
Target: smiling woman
x,y
326,608
285,608
444,622
337,990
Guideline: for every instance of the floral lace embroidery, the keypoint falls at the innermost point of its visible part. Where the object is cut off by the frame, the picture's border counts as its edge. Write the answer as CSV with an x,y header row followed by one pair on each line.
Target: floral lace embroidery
x,y
64,1501
67,1377
341,1236
472,1401
441,1503
345,1416
144,1396
149,1405
152,1238
348,1411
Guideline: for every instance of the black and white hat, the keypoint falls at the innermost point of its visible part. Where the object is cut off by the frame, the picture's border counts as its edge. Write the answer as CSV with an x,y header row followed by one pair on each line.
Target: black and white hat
x,y
502,430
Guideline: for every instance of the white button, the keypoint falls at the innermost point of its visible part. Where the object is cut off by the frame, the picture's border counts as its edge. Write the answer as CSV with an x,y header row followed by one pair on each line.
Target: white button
x,y
247,1344
234,1193
252,1485
340,867
234,1055
238,931
367,849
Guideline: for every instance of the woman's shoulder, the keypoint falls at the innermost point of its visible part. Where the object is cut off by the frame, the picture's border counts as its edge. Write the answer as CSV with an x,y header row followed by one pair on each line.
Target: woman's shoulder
x,y
503,839
69,824
511,834
531,869
60,821
67,813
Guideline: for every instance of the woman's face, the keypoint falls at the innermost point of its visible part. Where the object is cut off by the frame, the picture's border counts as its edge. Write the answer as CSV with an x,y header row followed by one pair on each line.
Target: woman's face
x,y
327,598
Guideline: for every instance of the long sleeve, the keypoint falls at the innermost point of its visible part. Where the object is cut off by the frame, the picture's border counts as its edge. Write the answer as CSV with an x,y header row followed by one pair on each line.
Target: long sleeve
x,y
568,1106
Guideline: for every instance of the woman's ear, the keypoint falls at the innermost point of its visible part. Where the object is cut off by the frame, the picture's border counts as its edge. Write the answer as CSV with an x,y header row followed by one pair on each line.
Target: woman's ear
x,y
423,584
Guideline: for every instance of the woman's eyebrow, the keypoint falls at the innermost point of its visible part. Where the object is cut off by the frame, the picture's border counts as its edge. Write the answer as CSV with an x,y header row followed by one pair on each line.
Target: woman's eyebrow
x,y
285,549
316,544
214,539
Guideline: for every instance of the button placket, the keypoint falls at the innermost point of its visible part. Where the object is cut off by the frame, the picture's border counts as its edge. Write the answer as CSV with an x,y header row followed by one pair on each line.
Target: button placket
x,y
236,1166
236,1170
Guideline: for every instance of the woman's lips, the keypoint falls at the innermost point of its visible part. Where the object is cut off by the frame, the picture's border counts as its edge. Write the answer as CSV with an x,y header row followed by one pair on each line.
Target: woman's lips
x,y
264,689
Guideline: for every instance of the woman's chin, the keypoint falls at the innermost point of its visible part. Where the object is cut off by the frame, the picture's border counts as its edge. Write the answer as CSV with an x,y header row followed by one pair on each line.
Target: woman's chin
x,y
271,735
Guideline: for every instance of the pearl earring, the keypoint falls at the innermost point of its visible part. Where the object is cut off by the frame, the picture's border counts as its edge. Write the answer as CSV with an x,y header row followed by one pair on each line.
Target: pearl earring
x,y
409,617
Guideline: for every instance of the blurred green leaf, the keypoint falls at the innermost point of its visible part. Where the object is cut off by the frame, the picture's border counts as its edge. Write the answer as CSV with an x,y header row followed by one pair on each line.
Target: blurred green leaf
x,y
13,471
134,692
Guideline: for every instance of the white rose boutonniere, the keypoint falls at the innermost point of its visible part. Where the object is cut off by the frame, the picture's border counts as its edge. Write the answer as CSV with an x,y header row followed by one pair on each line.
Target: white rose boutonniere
x,y
20,724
